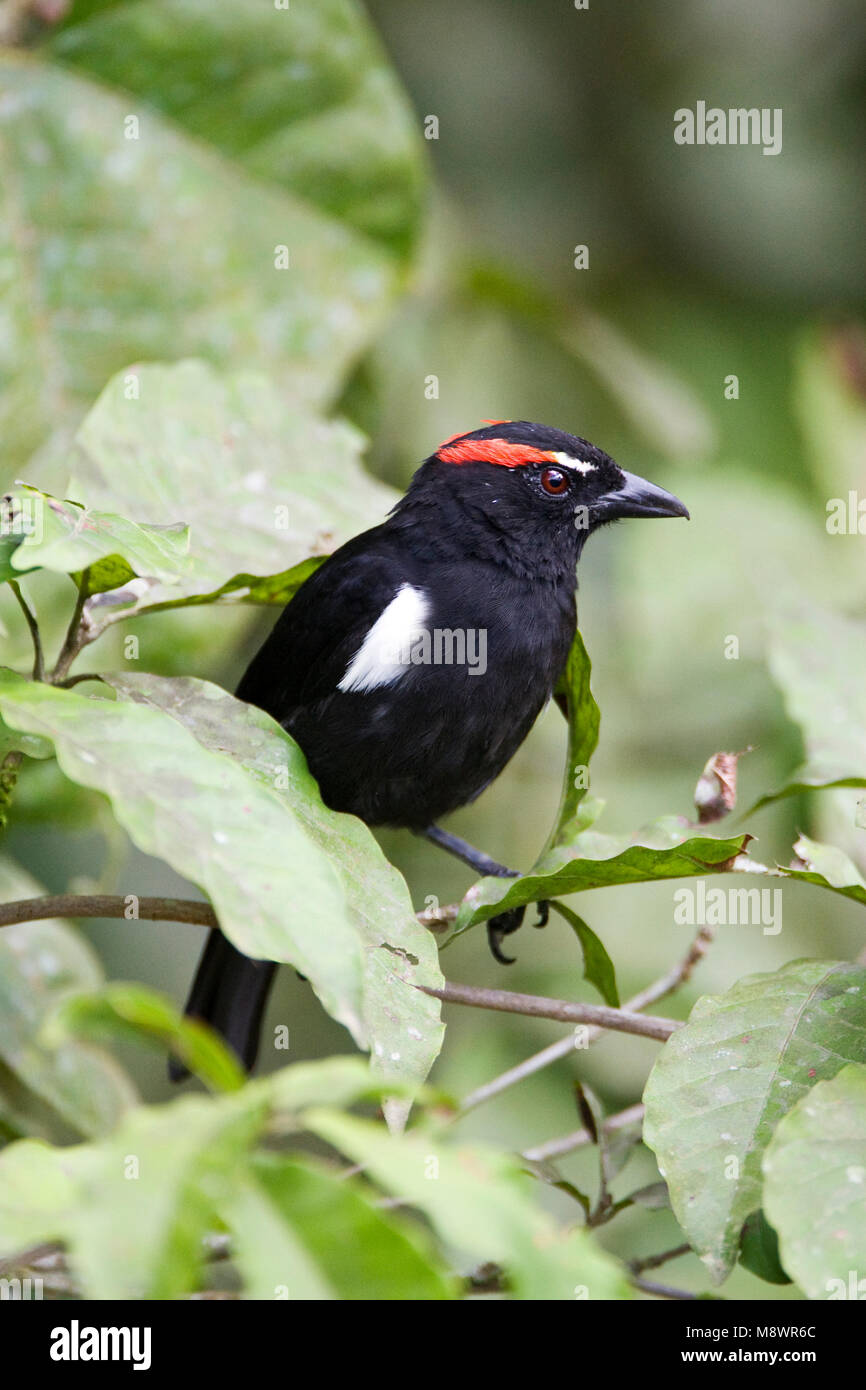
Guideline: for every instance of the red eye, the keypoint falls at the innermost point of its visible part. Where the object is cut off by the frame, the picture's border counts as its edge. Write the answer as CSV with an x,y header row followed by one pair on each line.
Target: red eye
x,y
554,482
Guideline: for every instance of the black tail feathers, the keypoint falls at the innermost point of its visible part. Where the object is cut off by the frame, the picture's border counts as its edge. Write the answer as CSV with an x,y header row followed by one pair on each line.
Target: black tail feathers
x,y
229,992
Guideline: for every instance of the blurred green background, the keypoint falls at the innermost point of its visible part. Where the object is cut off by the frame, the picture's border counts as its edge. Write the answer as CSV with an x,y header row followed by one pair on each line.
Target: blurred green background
x,y
555,130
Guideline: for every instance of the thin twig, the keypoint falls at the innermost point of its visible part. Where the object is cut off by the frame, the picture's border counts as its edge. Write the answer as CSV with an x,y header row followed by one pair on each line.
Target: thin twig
x,y
76,680
662,1290
656,1261
32,1255
30,618
76,639
665,985
190,910
563,1010
537,1062
107,905
555,1148
678,975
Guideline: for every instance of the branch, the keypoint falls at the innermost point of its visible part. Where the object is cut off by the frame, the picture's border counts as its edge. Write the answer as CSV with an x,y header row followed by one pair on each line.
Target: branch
x,y
662,1290
656,1261
678,975
666,984
555,1148
201,914
76,639
30,616
563,1010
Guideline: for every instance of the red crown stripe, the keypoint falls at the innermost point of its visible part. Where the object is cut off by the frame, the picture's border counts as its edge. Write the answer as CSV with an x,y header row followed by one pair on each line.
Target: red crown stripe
x,y
499,451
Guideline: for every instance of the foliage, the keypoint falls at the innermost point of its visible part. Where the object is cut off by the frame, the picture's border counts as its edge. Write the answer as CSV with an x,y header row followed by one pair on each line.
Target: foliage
x,y
215,212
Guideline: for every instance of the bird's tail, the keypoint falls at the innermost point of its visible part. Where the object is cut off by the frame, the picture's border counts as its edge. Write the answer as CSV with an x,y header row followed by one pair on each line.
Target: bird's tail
x,y
229,992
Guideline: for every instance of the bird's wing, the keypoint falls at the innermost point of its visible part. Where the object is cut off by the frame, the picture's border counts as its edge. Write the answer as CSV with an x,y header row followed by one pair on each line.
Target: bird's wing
x,y
321,630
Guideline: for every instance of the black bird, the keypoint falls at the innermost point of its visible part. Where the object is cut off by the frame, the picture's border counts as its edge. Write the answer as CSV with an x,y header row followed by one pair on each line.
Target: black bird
x,y
412,664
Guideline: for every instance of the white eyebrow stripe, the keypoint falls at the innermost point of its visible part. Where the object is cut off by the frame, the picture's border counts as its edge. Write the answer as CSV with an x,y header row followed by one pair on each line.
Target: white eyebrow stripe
x,y
582,465
383,656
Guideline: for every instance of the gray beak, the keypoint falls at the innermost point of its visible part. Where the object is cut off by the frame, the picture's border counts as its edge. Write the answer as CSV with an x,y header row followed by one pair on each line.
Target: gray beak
x,y
637,497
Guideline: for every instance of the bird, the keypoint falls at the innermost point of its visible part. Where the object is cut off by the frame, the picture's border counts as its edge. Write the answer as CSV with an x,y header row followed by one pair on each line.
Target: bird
x,y
411,665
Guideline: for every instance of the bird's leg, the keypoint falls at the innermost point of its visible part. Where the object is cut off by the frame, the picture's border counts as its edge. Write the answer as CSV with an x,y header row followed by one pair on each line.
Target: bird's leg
x,y
475,858
507,922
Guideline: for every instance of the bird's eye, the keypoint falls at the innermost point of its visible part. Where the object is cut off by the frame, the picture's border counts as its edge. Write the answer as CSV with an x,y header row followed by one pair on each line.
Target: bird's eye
x,y
554,482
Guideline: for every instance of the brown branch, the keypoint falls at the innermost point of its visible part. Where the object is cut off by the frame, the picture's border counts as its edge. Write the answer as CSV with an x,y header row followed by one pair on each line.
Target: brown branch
x,y
662,1290
678,975
107,905
656,1261
563,1010
76,639
665,985
556,1148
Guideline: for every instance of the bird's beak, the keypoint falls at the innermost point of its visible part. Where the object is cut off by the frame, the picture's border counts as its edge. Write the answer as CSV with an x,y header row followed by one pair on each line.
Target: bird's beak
x,y
637,497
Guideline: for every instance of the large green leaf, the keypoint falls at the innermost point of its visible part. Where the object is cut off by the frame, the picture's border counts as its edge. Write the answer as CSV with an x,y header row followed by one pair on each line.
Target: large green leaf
x,y
142,1201
667,849
300,95
722,1083
122,1012
818,661
290,485
401,1025
118,249
814,1176
43,964
828,867
219,791
302,1232
37,1193
480,1202
68,538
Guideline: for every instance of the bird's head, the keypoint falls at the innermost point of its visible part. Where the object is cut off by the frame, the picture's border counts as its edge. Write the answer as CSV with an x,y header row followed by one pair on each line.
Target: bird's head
x,y
534,492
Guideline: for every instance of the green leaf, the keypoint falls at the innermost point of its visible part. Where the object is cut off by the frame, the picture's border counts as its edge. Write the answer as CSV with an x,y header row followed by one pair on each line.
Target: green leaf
x,y
481,1202
150,1194
816,659
759,1250
597,965
130,1012
302,1232
43,964
301,96
828,867
219,791
400,1024
722,1082
37,1192
667,849
814,1175
584,718
290,485
339,1081
175,245
66,538
249,588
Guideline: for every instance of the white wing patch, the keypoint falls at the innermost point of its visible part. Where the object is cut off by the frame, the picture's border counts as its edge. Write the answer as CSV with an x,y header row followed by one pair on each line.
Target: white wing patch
x,y
383,656
568,461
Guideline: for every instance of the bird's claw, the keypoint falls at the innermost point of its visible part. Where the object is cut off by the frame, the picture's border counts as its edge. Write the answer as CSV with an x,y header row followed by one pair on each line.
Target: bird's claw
x,y
500,927
506,923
